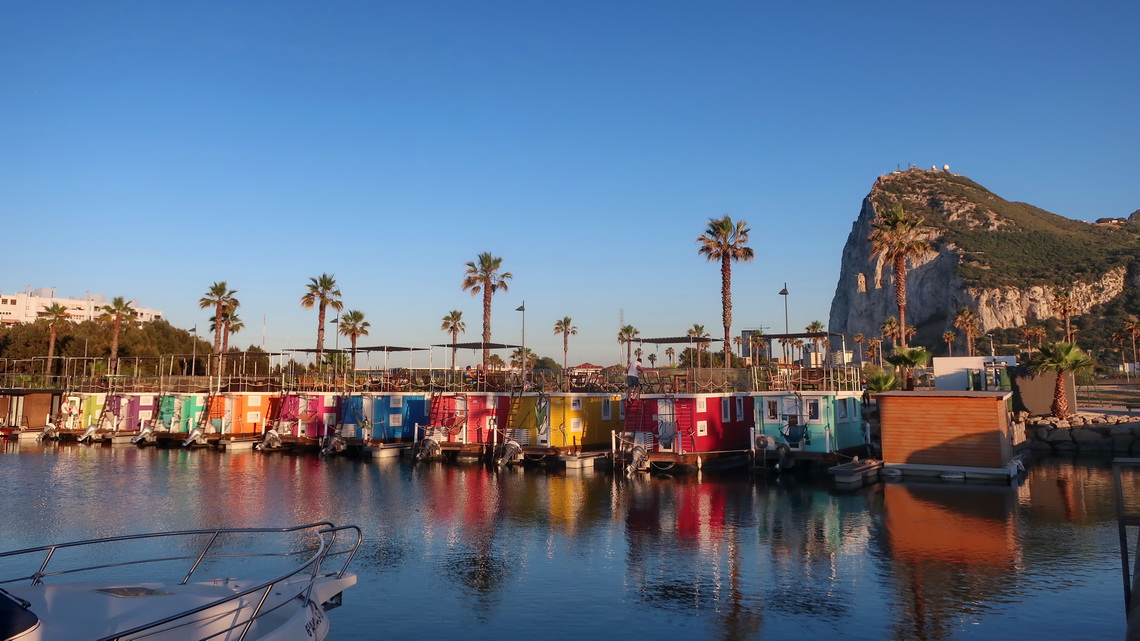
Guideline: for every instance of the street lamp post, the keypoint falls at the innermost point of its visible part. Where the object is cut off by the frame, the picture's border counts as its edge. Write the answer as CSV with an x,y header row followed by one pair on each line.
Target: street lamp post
x,y
784,293
522,308
194,347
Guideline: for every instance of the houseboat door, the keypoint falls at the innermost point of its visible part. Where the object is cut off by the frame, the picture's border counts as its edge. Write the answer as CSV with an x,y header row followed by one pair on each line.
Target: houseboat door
x,y
666,418
542,420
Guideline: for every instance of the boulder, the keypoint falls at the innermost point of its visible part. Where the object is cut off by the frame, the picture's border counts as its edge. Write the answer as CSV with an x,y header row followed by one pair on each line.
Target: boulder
x,y
1058,436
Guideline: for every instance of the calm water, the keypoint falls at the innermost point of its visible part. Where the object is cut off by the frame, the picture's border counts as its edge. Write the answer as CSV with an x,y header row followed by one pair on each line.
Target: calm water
x,y
475,554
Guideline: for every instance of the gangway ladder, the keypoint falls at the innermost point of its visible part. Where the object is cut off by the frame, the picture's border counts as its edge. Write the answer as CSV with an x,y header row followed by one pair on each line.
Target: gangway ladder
x,y
1124,520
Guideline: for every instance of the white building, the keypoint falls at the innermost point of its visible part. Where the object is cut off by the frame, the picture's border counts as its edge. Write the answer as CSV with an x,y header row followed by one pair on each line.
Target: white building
x,y
26,306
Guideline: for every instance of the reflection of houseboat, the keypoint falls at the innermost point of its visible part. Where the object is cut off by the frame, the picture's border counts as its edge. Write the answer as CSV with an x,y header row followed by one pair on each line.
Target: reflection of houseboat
x,y
812,414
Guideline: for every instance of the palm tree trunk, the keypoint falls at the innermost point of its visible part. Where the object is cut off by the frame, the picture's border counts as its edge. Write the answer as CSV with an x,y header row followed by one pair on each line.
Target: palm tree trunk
x,y
900,297
320,332
726,305
486,322
1060,401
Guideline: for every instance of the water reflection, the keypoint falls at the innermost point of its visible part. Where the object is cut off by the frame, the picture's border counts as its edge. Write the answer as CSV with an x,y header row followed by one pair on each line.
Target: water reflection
x,y
462,550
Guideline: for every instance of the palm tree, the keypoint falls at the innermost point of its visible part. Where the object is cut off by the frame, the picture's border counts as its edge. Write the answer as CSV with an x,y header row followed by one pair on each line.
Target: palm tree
x,y
1031,333
626,336
897,238
517,358
1132,326
653,360
875,347
908,359
890,331
1064,301
56,317
670,352
816,327
118,311
322,292
567,329
483,275
698,332
353,325
1060,358
221,298
859,338
971,327
453,324
231,324
949,338
495,362
724,240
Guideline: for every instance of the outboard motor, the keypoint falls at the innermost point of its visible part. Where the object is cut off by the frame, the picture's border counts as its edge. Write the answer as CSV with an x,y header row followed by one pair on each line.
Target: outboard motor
x,y
333,444
638,457
507,453
427,448
89,434
145,435
50,432
271,439
197,437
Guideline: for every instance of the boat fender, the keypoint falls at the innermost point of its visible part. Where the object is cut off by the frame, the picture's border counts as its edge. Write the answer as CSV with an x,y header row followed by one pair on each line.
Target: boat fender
x,y
762,442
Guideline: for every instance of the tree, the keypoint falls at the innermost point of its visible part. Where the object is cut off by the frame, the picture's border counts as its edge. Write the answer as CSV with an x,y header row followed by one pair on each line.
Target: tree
x,y
875,348
897,238
221,298
231,324
118,311
517,358
1061,359
353,325
859,338
56,317
698,332
1032,333
816,327
453,324
1064,301
724,240
495,362
566,327
908,359
670,352
1132,326
483,275
881,381
971,327
323,293
890,330
626,336
653,360
949,338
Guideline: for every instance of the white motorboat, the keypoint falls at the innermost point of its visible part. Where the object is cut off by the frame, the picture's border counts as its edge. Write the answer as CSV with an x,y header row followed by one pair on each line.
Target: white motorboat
x,y
257,584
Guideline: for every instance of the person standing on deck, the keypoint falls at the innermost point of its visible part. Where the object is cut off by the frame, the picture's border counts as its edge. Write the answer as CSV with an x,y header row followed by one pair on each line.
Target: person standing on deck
x,y
633,374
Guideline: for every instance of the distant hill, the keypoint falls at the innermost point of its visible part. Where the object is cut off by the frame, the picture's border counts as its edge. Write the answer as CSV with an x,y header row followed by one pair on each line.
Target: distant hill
x,y
1007,260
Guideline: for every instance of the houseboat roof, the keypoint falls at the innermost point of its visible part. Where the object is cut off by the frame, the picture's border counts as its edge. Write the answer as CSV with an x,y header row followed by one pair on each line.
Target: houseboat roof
x,y
679,339
477,345
801,335
389,348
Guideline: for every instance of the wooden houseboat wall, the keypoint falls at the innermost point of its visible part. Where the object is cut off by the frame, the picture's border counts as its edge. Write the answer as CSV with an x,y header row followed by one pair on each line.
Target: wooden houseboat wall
x,y
29,410
689,430
808,426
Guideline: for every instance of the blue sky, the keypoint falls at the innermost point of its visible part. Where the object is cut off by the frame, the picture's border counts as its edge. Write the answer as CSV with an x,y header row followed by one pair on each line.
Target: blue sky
x,y
149,149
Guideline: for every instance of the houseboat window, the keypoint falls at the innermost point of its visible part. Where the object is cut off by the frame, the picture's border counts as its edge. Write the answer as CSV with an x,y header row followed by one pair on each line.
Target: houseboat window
x,y
575,403
702,428
772,409
725,410
813,410
841,408
607,409
576,425
739,407
701,404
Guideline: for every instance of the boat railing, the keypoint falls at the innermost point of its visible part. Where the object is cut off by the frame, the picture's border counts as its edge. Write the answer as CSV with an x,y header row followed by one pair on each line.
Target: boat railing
x,y
327,547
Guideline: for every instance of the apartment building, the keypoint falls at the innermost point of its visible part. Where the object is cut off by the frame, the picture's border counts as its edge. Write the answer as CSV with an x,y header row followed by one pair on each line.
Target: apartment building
x,y
25,307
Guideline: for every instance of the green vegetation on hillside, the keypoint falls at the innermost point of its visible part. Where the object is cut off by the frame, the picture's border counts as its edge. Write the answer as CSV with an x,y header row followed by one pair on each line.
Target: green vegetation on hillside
x,y
1008,243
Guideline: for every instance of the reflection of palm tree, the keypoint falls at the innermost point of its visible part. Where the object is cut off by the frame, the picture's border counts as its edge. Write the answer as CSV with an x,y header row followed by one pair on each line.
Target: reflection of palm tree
x,y
453,324
724,240
483,276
